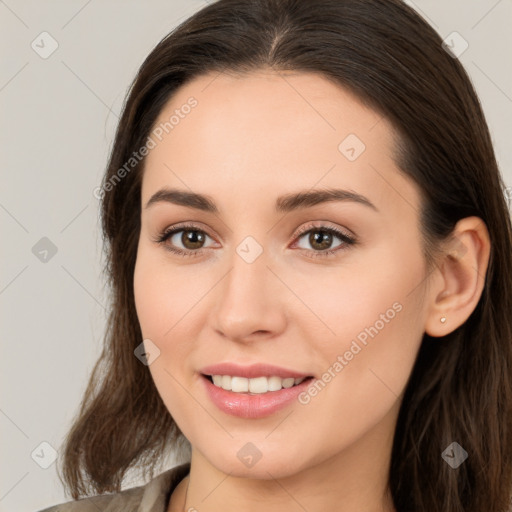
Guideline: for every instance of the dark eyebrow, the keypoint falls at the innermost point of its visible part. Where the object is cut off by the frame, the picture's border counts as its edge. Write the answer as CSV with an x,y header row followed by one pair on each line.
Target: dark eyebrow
x,y
284,204
306,199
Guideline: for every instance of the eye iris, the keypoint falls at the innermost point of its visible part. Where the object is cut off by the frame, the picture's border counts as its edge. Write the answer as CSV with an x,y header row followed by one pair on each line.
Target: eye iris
x,y
324,237
192,237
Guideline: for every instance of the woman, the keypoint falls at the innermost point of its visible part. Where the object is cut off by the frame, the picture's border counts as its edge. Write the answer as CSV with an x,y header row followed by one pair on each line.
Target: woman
x,y
310,256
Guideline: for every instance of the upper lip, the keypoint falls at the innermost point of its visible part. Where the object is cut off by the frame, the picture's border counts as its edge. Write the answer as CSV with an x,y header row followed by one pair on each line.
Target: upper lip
x,y
251,371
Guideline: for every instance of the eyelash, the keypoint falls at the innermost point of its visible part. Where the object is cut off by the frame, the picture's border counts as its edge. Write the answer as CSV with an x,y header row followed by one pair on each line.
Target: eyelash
x,y
344,237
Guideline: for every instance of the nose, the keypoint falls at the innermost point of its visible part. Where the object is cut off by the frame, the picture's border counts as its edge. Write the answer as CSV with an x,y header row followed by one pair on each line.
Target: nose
x,y
250,301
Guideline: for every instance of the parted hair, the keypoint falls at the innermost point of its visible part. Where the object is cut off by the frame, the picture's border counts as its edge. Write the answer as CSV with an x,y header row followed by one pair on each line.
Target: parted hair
x,y
393,61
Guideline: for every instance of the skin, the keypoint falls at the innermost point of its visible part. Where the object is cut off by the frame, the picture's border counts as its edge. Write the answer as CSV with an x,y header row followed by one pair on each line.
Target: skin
x,y
261,135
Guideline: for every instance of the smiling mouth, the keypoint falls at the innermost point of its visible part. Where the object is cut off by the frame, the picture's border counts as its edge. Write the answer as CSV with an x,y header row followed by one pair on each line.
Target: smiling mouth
x,y
257,385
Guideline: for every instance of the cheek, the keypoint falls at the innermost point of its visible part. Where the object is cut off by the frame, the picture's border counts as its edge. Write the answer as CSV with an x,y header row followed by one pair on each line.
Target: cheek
x,y
160,302
371,317
343,303
161,295
368,359
159,311
165,298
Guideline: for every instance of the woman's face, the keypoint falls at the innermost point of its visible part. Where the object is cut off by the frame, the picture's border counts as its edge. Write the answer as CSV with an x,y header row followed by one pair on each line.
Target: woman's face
x,y
263,280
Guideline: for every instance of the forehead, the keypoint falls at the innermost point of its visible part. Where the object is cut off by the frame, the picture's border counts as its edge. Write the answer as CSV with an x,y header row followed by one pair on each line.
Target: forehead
x,y
271,131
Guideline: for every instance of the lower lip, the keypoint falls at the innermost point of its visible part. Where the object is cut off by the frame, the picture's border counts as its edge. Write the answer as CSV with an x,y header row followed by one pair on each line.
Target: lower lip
x,y
254,406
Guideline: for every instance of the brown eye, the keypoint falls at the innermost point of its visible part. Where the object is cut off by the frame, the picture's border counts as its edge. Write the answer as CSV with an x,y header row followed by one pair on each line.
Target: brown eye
x,y
320,240
192,239
184,240
189,240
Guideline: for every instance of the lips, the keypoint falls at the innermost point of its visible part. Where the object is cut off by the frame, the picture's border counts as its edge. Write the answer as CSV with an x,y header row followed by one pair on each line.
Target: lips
x,y
251,371
253,406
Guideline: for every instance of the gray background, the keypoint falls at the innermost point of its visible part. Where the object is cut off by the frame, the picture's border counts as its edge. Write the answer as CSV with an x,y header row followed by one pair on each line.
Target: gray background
x,y
58,120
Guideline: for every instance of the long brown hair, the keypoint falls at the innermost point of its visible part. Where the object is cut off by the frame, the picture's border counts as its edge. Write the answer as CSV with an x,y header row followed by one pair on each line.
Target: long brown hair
x,y
393,61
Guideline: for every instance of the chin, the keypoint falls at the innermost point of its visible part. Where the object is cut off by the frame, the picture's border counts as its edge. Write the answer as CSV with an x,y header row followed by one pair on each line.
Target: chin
x,y
262,464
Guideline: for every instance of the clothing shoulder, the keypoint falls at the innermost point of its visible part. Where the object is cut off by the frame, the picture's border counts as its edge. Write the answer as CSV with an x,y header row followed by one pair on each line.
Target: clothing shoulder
x,y
151,497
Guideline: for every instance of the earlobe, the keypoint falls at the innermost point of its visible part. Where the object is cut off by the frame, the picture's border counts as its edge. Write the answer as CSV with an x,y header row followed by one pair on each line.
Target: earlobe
x,y
460,273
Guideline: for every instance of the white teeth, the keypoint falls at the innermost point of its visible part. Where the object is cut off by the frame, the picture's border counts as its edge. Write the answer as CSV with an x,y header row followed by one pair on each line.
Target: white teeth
x,y
256,385
239,384
226,382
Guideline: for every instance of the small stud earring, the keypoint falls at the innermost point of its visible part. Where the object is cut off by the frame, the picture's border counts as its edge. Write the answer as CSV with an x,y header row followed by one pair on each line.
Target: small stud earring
x,y
443,319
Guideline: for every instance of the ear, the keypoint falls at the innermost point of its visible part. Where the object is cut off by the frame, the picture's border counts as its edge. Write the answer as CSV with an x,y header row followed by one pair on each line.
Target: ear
x,y
459,277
